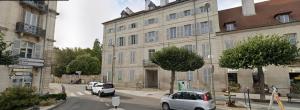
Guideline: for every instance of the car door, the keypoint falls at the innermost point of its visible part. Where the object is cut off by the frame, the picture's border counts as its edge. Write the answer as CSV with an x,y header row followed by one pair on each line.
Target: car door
x,y
189,101
175,101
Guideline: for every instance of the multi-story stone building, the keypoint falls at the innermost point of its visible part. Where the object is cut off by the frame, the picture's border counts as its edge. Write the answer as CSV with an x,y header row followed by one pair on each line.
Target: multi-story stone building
x,y
184,23
267,18
134,37
29,26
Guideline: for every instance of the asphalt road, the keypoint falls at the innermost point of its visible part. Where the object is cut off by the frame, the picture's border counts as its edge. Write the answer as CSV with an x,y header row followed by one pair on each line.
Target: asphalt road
x,y
80,99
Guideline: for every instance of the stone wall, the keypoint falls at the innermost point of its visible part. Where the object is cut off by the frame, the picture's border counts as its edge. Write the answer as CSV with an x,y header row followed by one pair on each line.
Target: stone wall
x,y
68,78
4,79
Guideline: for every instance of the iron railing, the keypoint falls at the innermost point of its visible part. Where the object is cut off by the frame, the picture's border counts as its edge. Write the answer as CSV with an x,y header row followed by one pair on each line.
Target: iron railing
x,y
29,29
37,4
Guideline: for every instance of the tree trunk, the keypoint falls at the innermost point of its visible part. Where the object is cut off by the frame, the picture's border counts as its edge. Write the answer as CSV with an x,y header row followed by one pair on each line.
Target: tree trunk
x,y
172,82
261,83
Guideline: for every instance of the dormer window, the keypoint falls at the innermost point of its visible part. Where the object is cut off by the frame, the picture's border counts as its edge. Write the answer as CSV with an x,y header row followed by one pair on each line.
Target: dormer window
x,y
230,26
283,17
133,25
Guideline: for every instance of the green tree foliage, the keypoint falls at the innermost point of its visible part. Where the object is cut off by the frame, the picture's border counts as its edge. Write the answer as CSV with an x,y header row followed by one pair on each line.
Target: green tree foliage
x,y
177,59
86,63
258,52
6,58
18,98
66,56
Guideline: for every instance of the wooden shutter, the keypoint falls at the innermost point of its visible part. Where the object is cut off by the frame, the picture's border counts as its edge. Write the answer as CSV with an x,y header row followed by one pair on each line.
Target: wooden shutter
x,y
211,26
168,33
136,39
129,40
156,36
118,41
16,47
198,28
194,30
146,37
38,49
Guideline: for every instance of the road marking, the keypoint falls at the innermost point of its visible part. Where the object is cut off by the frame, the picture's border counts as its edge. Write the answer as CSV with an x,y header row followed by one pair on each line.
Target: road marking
x,y
72,95
87,92
106,104
79,93
116,109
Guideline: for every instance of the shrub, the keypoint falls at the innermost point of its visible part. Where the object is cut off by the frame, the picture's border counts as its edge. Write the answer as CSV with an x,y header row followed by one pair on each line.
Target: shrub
x,y
60,96
47,102
18,98
234,87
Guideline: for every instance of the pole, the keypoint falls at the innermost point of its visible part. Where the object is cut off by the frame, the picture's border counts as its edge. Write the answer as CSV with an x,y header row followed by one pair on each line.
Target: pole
x,y
212,88
114,56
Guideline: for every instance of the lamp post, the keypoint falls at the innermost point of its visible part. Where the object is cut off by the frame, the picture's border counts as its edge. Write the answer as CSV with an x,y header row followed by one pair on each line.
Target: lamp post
x,y
212,88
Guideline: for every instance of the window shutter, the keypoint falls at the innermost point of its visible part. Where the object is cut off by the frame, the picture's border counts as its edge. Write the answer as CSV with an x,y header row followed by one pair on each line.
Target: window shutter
x,y
38,50
177,32
27,17
156,20
198,28
34,19
146,37
156,36
168,33
16,47
181,31
129,40
145,22
168,18
194,29
118,41
192,11
136,39
124,41
203,51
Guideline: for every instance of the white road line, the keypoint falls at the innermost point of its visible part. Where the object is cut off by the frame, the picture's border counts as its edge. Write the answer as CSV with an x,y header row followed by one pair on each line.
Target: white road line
x,y
106,104
87,92
72,95
79,93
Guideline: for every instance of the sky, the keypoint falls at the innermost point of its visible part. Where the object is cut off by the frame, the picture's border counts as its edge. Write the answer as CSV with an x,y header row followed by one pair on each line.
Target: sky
x,y
80,21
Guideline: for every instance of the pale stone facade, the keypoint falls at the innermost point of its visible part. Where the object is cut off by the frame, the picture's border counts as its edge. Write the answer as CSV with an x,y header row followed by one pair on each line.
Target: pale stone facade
x,y
138,71
29,26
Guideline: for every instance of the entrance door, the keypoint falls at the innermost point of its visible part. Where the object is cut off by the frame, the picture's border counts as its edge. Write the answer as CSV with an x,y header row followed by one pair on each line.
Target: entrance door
x,y
151,79
294,82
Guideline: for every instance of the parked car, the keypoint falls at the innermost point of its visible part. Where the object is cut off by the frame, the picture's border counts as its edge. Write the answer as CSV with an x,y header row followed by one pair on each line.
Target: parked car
x,y
90,85
188,100
102,89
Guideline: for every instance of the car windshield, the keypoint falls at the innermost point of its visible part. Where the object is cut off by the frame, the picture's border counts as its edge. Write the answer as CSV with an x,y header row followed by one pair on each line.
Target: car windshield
x,y
108,86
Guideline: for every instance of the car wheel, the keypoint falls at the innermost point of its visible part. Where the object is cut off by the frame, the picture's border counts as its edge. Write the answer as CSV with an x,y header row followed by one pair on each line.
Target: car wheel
x,y
113,93
99,94
165,106
199,109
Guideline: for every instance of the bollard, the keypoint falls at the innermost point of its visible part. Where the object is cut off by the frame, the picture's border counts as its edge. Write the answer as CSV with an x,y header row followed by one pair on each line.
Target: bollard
x,y
248,92
116,101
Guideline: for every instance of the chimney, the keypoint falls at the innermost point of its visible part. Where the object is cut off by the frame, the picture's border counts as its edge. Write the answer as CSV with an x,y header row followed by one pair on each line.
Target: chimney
x,y
147,2
128,10
164,2
248,7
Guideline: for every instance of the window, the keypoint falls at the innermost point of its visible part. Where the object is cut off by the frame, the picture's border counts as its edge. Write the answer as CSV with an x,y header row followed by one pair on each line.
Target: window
x,y
131,75
230,27
173,32
284,18
120,57
151,36
232,78
133,25
22,80
206,75
203,9
188,30
190,76
172,16
120,75
110,30
110,42
133,39
31,19
151,21
187,12
121,41
121,28
151,52
292,37
132,57
190,48
204,27
26,50
205,50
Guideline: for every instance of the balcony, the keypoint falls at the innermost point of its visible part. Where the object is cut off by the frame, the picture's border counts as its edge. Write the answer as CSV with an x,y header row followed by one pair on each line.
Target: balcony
x,y
30,30
148,63
36,4
31,62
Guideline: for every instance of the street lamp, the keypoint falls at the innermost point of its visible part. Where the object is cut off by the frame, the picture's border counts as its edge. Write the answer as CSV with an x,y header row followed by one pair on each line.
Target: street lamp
x,y
212,88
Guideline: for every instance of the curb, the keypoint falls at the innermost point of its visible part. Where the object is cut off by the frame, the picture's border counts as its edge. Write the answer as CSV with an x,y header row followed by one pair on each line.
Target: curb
x,y
57,105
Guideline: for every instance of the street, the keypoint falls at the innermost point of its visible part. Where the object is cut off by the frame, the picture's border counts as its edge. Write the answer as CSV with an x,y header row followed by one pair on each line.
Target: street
x,y
80,99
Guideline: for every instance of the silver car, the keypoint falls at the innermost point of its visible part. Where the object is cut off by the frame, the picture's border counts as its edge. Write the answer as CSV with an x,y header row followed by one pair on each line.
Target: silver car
x,y
188,100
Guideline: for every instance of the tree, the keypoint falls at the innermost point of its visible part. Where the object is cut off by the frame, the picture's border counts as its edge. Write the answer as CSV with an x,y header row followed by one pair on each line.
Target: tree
x,y
177,59
97,52
87,64
6,58
258,52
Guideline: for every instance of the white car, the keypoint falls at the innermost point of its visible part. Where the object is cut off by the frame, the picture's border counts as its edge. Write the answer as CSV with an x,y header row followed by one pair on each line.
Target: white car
x,y
102,89
90,85
188,100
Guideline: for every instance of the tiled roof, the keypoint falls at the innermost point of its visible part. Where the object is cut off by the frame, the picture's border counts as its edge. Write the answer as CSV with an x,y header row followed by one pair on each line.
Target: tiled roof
x,y
265,14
